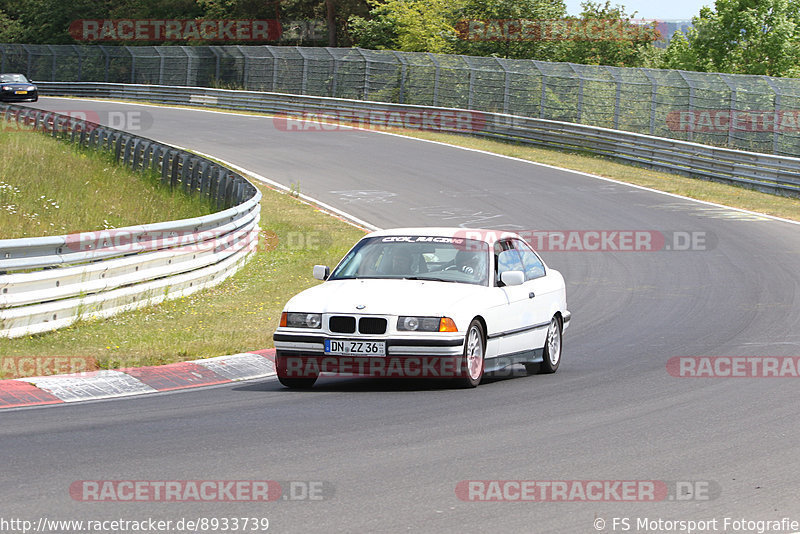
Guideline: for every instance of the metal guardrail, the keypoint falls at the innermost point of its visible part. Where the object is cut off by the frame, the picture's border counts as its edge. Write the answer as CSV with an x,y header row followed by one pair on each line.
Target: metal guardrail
x,y
50,282
736,111
764,172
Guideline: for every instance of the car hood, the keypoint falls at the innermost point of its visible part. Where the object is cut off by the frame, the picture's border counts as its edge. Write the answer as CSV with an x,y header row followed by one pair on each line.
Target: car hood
x,y
385,297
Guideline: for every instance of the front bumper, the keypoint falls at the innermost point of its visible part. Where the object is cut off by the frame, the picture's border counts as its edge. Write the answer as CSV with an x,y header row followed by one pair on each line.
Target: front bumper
x,y
10,96
303,355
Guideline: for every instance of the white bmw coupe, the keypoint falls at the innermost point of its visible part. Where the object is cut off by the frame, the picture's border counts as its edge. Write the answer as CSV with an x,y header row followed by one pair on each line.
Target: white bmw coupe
x,y
426,302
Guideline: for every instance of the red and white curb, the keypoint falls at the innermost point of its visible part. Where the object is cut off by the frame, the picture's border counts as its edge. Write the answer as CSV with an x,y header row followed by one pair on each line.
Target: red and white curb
x,y
59,389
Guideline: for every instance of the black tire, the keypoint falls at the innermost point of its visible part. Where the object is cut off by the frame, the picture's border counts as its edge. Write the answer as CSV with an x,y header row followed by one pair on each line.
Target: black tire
x,y
35,99
297,383
472,361
553,346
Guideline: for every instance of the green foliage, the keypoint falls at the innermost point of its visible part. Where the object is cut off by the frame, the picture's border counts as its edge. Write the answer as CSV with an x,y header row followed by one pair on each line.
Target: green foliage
x,y
625,44
742,36
408,25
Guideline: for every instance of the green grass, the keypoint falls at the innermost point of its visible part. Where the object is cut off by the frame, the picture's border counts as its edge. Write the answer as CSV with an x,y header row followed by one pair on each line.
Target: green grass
x,y
238,315
51,187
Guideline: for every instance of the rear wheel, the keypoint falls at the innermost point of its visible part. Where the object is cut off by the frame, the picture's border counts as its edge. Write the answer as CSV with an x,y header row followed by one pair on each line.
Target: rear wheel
x,y
472,362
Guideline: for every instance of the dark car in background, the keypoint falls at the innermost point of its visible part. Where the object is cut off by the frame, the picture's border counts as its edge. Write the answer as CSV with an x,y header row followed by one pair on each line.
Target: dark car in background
x,y
17,88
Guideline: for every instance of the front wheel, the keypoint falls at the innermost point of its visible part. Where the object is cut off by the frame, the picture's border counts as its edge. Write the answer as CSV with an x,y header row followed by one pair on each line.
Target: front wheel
x,y
297,383
552,348
472,363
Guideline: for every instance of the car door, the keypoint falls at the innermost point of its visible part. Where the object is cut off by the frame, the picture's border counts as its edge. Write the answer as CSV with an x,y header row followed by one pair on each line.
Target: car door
x,y
516,335
544,291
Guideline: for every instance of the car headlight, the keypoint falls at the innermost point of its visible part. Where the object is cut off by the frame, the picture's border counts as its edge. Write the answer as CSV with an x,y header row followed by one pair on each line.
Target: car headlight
x,y
301,320
411,323
31,88
6,88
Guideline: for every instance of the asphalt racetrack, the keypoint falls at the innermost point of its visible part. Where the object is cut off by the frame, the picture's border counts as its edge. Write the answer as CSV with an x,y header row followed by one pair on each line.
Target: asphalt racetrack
x,y
395,456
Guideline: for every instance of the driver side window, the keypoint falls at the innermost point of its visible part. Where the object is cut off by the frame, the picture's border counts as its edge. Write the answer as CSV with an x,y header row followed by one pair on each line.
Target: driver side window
x,y
506,259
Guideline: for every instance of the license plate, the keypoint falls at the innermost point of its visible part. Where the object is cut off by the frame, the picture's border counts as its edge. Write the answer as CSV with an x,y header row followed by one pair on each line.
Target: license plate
x,y
20,92
348,347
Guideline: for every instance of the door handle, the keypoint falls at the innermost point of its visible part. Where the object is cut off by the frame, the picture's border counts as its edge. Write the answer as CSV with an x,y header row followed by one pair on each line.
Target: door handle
x,y
531,295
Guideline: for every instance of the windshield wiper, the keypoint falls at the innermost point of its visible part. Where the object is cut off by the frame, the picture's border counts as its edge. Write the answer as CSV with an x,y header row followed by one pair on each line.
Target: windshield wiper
x,y
428,278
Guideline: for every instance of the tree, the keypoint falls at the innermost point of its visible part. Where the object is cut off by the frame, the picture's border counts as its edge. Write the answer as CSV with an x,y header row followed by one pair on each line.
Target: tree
x,y
742,36
408,25
500,28
613,39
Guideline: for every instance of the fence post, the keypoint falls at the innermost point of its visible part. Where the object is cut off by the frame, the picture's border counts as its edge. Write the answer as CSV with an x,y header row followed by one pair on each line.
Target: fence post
x,y
304,80
160,65
78,53
30,59
274,69
580,91
401,99
107,63
506,85
435,78
188,67
777,114
653,95
245,67
332,86
690,135
52,63
365,94
731,108
217,63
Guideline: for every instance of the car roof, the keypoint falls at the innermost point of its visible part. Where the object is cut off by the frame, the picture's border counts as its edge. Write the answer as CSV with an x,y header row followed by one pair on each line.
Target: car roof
x,y
478,234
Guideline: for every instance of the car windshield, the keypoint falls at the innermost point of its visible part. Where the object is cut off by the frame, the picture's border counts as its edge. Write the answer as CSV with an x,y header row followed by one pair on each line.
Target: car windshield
x,y
415,257
13,78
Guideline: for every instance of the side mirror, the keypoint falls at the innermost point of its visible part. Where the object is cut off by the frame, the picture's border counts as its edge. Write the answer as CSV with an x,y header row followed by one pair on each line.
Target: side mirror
x,y
321,272
513,278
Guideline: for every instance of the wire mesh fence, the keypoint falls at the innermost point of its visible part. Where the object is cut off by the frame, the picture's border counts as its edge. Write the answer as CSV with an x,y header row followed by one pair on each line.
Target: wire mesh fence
x,y
755,113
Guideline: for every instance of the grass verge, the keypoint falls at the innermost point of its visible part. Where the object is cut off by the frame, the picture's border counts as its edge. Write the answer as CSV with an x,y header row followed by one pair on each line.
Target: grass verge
x,y
238,315
51,187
